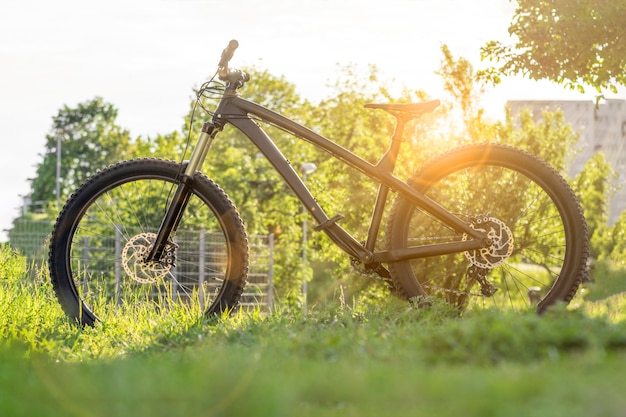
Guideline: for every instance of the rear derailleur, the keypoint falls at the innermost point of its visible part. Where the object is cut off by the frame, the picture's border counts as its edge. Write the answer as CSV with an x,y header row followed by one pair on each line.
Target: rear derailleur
x,y
478,274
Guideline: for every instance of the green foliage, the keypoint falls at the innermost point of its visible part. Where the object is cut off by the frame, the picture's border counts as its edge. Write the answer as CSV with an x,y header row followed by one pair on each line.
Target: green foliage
x,y
164,146
608,242
610,279
266,204
30,232
12,265
569,42
615,244
593,186
551,138
156,364
458,80
461,121
152,364
90,140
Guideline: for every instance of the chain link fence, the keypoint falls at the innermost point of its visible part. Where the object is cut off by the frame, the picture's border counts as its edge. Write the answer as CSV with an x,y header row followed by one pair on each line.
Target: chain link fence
x,y
31,238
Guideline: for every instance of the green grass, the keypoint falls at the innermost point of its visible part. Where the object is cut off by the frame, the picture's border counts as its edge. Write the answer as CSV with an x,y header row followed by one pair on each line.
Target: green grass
x,y
612,281
382,360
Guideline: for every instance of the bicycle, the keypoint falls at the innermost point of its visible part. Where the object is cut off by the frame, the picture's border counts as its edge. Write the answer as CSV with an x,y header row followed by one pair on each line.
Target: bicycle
x,y
482,225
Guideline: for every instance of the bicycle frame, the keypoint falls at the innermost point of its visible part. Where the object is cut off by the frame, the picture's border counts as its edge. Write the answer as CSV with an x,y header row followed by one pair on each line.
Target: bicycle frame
x,y
236,110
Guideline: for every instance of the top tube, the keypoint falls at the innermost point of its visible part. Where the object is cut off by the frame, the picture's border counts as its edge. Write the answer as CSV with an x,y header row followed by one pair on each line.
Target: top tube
x,y
235,107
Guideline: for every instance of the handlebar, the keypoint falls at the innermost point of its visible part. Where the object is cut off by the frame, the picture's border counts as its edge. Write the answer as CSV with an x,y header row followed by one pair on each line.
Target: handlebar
x,y
227,54
235,78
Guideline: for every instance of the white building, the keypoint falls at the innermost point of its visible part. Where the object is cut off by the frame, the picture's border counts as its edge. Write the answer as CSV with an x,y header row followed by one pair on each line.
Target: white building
x,y
601,128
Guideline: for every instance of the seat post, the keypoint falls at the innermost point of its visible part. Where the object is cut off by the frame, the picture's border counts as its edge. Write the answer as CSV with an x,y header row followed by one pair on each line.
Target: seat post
x,y
403,112
388,161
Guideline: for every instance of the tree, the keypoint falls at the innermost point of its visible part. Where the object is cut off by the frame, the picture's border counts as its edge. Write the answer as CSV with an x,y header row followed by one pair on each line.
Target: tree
x,y
457,75
593,185
570,42
89,139
615,244
552,138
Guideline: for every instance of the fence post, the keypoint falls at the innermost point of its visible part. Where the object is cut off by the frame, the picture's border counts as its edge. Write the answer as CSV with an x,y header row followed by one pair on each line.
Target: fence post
x,y
118,258
270,273
201,261
85,264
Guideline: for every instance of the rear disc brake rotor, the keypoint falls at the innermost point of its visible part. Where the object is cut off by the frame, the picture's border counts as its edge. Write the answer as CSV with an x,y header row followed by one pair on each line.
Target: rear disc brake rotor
x,y
501,246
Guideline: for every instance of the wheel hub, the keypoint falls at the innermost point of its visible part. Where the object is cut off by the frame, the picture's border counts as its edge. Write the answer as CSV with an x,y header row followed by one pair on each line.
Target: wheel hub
x,y
500,240
134,257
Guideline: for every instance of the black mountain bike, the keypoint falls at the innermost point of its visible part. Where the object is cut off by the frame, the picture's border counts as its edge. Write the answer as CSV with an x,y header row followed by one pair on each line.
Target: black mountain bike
x,y
479,226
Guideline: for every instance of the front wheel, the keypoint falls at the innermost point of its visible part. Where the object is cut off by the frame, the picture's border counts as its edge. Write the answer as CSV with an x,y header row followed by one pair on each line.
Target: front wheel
x,y
107,228
538,234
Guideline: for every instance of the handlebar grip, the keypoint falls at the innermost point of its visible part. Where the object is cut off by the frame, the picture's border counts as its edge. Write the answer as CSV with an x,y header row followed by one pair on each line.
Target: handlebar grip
x,y
228,52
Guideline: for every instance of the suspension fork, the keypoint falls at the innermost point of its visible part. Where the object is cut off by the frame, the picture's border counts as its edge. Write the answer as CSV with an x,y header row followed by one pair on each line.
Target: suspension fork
x,y
177,206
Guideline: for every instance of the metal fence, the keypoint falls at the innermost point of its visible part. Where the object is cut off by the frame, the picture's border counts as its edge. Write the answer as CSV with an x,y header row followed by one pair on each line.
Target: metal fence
x,y
31,238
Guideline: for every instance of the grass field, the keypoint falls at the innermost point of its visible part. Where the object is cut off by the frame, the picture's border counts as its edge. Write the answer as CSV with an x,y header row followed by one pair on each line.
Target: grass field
x,y
340,361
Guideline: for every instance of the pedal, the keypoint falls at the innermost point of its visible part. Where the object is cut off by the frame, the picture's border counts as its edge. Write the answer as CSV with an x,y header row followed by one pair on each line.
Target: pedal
x,y
328,223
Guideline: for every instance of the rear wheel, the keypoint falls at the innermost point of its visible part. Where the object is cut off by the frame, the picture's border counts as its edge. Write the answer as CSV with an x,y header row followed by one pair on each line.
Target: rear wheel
x,y
539,240
103,234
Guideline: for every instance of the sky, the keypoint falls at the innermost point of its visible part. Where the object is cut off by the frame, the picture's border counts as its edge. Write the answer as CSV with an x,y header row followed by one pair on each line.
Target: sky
x,y
146,56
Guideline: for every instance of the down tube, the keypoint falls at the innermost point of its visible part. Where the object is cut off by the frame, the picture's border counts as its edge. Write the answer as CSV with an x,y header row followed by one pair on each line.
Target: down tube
x,y
281,164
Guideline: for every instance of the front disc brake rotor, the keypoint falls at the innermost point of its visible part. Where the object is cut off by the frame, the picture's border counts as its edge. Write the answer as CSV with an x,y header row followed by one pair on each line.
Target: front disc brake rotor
x,y
136,251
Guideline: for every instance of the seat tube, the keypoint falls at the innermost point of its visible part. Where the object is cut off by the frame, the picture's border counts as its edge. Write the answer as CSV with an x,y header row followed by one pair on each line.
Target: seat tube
x,y
387,165
377,215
